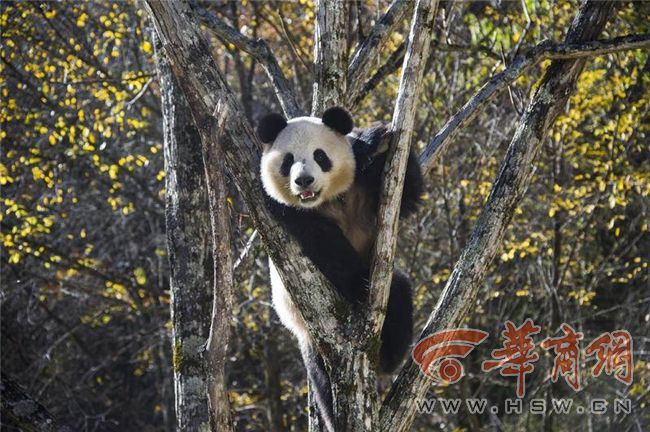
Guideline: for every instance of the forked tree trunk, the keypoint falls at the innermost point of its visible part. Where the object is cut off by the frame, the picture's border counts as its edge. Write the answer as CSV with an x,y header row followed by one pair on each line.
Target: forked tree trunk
x,y
346,344
190,253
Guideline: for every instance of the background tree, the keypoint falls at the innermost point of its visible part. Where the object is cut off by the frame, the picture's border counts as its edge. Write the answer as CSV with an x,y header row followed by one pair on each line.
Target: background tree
x,y
85,287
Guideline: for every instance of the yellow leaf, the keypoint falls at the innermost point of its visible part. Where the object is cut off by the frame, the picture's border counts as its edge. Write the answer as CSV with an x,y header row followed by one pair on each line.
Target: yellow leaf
x,y
146,47
140,276
81,21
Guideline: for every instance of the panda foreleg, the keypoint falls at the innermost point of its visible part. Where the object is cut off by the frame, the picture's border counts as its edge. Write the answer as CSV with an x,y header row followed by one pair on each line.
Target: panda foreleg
x,y
319,382
397,332
413,187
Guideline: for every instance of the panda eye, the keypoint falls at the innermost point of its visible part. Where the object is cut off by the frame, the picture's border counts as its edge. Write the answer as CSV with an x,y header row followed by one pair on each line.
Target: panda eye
x,y
287,162
322,160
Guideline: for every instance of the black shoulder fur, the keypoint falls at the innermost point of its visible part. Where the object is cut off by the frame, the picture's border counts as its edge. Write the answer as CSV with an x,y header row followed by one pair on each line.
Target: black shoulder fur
x,y
368,146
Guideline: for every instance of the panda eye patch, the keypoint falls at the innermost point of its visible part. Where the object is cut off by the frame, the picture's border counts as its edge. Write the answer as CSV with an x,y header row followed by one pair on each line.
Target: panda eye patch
x,y
322,160
287,162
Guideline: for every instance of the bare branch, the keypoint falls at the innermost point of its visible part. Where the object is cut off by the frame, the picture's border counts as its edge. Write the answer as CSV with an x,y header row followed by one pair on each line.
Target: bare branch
x,y
367,54
187,217
521,63
261,52
20,411
393,63
393,182
222,288
330,54
244,252
508,189
206,90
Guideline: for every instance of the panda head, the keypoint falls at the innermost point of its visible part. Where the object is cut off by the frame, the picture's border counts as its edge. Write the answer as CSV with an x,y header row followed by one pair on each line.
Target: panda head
x,y
307,161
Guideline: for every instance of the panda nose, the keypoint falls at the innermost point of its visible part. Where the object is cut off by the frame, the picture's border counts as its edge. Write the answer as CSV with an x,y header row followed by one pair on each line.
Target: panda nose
x,y
304,180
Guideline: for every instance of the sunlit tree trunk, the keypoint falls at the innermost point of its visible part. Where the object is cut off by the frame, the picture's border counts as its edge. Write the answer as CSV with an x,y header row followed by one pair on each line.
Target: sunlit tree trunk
x,y
190,253
347,345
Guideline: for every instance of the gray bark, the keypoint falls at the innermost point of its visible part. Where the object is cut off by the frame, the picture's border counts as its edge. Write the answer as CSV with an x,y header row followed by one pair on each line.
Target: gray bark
x,y
544,51
339,341
198,231
393,180
19,411
190,254
330,54
222,297
461,289
367,54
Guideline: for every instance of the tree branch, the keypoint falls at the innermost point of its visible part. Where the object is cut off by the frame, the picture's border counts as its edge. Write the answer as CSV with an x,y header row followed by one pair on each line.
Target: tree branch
x,y
187,220
19,411
222,288
261,52
330,54
393,181
206,91
508,189
521,63
367,54
393,63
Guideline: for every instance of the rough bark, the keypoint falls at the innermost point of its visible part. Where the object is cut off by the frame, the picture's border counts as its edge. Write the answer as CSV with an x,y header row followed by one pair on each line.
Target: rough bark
x,y
209,96
19,411
261,52
393,181
222,288
190,254
367,54
461,289
330,54
201,266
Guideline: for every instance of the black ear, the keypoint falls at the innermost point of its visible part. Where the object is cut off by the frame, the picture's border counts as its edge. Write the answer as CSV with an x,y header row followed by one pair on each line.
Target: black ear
x,y
270,126
338,119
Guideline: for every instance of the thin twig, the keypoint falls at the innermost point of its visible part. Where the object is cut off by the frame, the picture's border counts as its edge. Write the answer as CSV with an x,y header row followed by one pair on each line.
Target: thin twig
x,y
260,51
541,52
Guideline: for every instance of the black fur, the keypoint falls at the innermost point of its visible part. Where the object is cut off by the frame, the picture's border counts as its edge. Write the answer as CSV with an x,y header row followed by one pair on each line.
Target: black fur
x,y
397,332
270,126
338,119
287,162
322,160
320,386
324,243
366,143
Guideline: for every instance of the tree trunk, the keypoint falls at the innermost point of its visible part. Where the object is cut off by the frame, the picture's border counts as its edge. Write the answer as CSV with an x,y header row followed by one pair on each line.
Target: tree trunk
x,y
508,189
353,381
19,411
190,253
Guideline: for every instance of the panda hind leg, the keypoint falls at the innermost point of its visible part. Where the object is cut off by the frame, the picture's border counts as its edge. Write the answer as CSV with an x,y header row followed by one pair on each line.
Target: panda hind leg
x,y
397,332
319,383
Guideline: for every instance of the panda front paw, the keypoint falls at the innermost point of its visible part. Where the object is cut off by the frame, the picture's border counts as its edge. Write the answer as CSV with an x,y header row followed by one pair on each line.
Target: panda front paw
x,y
383,143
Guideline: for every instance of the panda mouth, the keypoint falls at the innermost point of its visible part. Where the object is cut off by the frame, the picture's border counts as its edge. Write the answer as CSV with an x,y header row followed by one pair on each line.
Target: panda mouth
x,y
306,196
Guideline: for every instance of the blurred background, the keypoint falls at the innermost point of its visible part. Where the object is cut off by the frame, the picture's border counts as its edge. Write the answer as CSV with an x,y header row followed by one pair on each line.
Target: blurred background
x,y
85,277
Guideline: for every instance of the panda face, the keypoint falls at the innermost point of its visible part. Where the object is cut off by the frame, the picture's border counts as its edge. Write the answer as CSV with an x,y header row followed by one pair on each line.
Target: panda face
x,y
307,164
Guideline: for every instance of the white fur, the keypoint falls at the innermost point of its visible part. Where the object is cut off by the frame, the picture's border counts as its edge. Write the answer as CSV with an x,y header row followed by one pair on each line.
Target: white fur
x,y
287,311
301,137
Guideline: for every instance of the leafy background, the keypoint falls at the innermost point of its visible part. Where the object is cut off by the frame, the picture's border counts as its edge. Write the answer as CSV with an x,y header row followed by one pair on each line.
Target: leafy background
x,y
85,291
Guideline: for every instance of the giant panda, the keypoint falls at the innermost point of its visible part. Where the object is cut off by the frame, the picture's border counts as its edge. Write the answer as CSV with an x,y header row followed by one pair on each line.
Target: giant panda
x,y
323,182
